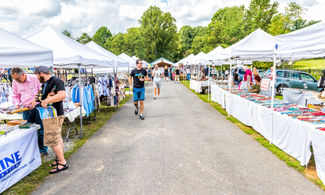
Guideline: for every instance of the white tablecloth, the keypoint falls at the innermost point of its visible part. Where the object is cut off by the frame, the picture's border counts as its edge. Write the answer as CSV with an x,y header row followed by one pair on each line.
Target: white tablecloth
x,y
16,116
318,141
19,156
290,135
298,96
197,85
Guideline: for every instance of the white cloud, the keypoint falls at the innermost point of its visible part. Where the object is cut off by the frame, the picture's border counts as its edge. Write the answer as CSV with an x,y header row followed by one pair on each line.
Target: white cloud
x,y
77,16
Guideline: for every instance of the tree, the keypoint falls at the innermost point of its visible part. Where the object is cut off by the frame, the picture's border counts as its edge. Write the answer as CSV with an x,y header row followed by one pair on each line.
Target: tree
x,y
84,38
185,36
101,35
259,15
160,33
134,43
116,44
67,33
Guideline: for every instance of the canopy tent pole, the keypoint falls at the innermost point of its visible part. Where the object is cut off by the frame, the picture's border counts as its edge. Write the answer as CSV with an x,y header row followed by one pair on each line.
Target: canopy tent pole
x,y
209,82
273,85
80,95
128,78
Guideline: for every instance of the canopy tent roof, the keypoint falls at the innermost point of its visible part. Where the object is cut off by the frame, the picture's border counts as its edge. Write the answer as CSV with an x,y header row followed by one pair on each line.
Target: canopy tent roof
x,y
128,58
215,54
258,46
162,62
201,58
120,61
187,60
16,51
67,51
304,43
108,70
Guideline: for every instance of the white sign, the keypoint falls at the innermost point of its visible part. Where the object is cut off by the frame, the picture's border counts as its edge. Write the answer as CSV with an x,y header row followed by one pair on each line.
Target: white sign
x,y
19,156
265,84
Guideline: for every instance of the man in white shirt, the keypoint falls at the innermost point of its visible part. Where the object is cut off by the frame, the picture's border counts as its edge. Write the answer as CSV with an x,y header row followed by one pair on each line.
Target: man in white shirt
x,y
156,74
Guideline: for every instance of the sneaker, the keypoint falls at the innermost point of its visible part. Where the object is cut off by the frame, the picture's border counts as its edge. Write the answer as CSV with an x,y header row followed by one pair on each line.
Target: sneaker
x,y
141,116
154,97
136,111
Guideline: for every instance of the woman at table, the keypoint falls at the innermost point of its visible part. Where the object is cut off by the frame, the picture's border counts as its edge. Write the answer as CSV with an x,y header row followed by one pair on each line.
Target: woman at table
x,y
247,80
257,82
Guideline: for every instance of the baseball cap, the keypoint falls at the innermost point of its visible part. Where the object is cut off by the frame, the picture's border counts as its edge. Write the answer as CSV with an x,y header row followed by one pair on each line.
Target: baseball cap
x,y
42,69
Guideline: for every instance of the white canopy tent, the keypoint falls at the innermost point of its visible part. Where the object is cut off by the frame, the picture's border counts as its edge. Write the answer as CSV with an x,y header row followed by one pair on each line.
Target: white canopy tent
x,y
201,58
16,51
68,52
257,46
128,58
120,61
304,43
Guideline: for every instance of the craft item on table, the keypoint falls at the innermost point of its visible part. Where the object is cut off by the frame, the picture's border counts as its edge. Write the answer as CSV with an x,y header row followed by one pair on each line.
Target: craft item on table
x,y
48,112
16,122
19,110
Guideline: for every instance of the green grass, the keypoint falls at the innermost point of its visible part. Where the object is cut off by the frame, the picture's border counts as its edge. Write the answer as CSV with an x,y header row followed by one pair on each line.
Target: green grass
x,y
309,64
33,180
290,161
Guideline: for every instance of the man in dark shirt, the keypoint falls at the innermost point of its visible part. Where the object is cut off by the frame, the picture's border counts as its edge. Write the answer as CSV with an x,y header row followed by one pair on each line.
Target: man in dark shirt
x,y
139,76
53,92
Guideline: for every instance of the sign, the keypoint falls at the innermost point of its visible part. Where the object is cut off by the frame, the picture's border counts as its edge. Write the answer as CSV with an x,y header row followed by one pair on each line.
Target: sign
x,y
265,84
19,156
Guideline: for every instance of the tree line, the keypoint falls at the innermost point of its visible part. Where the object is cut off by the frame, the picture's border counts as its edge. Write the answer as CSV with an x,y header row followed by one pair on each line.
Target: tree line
x,y
158,37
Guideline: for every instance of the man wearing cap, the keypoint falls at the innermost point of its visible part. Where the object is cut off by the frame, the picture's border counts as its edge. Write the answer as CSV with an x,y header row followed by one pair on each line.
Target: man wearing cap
x,y
25,87
53,92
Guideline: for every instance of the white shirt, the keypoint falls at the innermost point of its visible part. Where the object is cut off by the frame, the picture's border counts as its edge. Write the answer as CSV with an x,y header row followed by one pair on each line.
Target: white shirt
x,y
157,75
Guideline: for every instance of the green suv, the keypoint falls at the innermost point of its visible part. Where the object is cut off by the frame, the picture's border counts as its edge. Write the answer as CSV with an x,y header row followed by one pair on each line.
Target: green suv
x,y
294,79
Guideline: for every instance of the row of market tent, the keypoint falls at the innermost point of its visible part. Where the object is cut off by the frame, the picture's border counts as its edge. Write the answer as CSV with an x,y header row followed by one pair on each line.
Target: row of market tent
x,y
47,47
305,43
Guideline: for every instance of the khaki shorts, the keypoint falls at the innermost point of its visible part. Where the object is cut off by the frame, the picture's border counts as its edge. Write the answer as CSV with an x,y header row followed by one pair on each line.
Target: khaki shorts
x,y
52,130
157,84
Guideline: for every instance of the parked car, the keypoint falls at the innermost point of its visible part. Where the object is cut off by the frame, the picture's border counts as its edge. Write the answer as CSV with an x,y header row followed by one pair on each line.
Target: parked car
x,y
293,79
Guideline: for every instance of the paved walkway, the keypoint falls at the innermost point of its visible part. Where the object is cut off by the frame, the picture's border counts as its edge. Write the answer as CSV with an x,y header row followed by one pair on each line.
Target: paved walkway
x,y
184,146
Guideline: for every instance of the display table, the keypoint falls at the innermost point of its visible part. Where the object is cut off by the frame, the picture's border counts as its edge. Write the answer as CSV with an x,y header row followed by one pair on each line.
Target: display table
x,y
289,134
198,85
19,156
298,96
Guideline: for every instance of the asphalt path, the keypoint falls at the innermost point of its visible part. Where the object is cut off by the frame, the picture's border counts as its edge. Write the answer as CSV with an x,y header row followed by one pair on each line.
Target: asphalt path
x,y
184,146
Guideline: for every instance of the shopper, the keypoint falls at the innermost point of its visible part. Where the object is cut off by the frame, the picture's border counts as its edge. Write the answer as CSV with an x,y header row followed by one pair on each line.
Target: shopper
x,y
236,77
257,82
53,92
166,73
156,74
25,88
139,75
177,73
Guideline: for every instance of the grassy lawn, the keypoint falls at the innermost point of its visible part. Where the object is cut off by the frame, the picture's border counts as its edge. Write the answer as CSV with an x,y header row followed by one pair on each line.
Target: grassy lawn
x,y
310,64
309,172
33,180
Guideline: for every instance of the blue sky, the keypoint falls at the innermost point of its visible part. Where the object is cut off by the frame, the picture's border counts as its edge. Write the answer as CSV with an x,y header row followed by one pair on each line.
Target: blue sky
x,y
25,16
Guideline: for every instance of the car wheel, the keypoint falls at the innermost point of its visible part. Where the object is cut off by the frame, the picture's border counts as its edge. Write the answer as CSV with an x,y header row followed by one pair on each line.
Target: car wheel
x,y
280,88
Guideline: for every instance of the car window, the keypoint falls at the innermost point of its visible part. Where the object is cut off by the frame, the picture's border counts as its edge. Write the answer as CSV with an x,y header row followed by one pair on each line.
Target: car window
x,y
279,74
286,74
306,77
295,75
241,71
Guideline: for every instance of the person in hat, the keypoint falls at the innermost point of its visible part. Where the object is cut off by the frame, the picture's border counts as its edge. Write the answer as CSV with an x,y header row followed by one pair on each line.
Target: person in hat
x,y
25,87
53,93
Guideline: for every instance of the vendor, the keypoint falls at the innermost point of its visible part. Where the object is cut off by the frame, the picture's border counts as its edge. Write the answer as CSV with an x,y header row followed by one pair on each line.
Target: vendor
x,y
54,94
25,87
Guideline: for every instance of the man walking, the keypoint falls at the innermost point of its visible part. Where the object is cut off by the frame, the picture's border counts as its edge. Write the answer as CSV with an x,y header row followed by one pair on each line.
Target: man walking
x,y
139,76
53,92
25,88
156,74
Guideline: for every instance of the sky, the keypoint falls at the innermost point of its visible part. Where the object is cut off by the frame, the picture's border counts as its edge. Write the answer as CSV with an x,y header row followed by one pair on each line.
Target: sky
x,y
25,16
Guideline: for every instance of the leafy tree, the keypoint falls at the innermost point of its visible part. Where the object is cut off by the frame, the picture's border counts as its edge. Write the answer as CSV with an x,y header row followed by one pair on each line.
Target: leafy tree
x,y
101,35
134,43
116,44
84,38
186,36
67,33
160,33
259,15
